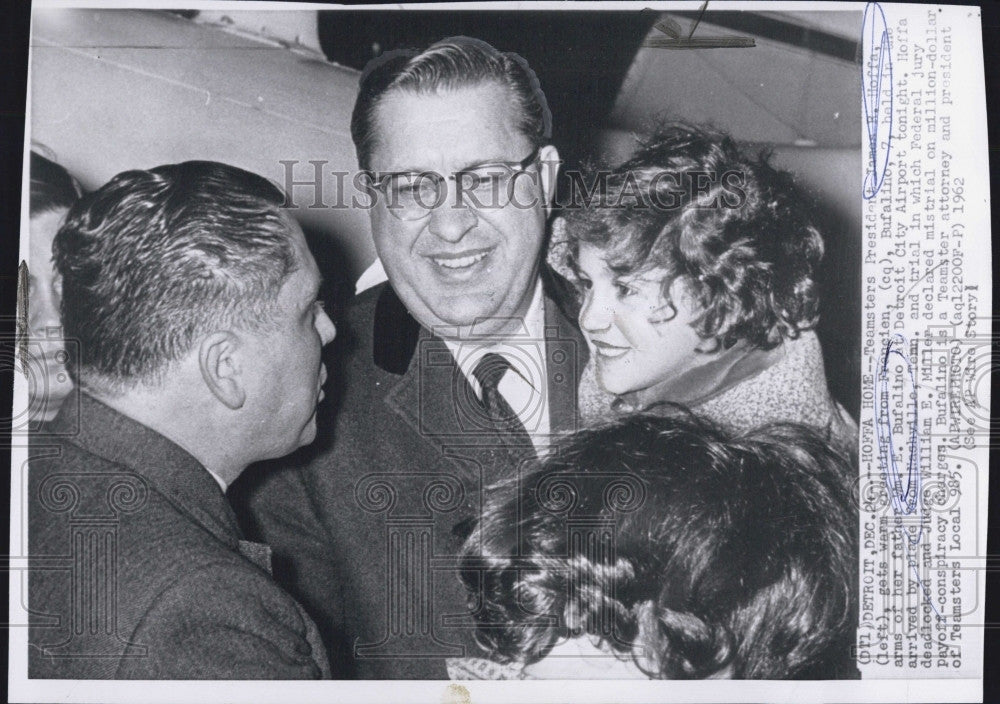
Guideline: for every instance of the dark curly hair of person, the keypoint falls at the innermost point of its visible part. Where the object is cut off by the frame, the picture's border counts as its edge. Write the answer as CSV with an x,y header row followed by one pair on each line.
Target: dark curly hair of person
x,y
52,186
691,202
690,551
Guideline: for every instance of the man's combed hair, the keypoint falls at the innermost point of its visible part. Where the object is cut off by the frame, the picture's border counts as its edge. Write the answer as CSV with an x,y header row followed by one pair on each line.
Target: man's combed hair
x,y
456,62
681,547
154,259
747,245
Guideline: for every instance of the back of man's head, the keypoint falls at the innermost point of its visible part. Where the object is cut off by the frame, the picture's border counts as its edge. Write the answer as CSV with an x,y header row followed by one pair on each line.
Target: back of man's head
x,y
155,259
455,62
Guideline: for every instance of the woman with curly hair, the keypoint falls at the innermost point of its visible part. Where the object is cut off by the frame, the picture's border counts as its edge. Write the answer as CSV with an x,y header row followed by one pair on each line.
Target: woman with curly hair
x,y
696,268
664,547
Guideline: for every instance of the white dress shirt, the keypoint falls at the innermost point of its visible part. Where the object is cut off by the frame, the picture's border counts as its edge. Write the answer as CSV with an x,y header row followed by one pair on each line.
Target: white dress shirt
x,y
218,479
525,385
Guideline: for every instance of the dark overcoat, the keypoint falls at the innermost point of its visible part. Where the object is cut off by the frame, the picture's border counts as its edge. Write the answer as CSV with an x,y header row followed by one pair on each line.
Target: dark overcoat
x,y
138,569
367,526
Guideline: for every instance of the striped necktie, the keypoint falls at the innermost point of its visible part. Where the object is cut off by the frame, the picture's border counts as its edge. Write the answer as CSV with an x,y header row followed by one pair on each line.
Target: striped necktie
x,y
488,372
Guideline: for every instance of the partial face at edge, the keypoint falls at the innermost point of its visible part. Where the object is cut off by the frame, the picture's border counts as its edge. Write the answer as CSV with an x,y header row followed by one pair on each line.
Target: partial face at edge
x,y
44,298
461,265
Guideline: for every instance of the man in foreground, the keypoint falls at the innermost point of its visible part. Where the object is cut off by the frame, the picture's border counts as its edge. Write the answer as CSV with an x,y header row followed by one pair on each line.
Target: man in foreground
x,y
463,366
194,301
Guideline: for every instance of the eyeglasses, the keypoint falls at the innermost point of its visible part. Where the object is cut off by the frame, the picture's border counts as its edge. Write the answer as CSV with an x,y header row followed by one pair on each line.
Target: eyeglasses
x,y
411,195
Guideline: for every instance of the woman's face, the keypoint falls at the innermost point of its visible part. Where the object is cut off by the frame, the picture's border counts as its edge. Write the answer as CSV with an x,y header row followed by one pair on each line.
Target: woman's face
x,y
635,337
49,382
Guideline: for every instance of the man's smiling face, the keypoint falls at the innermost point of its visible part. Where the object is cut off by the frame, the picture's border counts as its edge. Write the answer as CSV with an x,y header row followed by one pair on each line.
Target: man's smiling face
x,y
459,265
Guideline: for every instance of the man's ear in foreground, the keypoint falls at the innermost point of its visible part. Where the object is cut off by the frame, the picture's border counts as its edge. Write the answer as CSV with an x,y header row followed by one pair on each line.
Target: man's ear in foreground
x,y
220,362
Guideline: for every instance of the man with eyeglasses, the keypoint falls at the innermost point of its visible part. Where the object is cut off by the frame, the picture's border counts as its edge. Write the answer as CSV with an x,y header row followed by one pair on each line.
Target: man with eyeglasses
x,y
464,365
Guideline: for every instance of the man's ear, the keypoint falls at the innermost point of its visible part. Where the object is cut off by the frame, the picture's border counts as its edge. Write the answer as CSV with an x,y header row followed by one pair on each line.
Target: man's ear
x,y
221,368
548,157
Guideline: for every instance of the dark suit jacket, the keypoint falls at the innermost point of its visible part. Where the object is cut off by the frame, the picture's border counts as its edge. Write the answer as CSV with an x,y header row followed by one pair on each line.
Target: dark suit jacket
x,y
138,570
368,528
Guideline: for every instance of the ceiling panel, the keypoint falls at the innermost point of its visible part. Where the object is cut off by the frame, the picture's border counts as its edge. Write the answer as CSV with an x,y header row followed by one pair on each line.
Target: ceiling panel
x,y
792,92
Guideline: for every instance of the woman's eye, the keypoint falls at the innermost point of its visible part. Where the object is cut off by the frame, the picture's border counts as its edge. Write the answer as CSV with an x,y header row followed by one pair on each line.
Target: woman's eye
x,y
624,290
585,284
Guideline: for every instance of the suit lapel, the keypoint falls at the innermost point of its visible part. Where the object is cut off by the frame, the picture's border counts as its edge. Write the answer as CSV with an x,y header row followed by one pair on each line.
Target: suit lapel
x,y
566,352
434,397
257,553
431,394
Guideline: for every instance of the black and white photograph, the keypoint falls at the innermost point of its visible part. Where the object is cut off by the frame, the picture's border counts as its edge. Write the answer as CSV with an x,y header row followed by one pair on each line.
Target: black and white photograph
x,y
472,354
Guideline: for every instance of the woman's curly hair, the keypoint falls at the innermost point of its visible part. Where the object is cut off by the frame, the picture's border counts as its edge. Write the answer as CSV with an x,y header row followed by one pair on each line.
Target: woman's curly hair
x,y
691,202
682,547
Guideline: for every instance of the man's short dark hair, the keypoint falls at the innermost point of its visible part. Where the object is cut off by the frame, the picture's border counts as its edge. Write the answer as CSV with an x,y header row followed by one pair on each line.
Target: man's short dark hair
x,y
456,62
717,551
154,259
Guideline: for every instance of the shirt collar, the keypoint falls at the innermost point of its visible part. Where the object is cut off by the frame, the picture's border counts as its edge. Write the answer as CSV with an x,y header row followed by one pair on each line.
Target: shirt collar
x,y
468,353
218,480
396,333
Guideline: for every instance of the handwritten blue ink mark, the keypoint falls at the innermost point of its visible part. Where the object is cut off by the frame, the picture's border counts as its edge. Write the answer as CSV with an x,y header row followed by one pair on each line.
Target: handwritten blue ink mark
x,y
906,498
876,77
904,501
